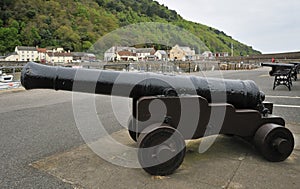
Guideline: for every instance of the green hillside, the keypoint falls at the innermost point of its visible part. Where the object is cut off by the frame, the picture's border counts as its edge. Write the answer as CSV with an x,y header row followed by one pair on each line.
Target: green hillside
x,y
77,24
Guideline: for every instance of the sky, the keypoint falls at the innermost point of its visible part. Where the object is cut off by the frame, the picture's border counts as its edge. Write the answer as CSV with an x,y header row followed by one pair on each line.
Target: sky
x,y
270,26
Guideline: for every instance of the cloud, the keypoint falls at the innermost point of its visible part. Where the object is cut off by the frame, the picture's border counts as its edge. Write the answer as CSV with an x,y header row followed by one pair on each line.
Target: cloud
x,y
256,23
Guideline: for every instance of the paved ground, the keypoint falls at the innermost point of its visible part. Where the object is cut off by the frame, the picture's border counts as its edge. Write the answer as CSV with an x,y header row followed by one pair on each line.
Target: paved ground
x,y
41,147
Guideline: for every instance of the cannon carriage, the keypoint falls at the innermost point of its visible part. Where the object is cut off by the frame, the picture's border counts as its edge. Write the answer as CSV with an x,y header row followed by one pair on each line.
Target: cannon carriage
x,y
167,110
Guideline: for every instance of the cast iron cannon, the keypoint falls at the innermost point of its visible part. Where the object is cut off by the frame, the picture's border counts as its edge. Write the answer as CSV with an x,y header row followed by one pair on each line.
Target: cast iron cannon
x,y
168,109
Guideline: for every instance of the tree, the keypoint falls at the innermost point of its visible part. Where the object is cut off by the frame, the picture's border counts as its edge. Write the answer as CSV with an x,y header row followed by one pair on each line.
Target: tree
x,y
9,38
14,24
30,36
70,40
77,24
100,2
86,45
35,36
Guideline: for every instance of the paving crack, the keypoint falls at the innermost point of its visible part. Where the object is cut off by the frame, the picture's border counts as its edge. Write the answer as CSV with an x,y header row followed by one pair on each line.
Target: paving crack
x,y
234,173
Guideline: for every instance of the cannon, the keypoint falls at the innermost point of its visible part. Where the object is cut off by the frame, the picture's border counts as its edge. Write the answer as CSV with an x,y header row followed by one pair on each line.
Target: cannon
x,y
169,109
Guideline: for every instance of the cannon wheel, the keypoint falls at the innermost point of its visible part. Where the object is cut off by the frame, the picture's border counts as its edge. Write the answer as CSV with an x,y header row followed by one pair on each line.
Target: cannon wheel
x,y
132,129
274,142
161,149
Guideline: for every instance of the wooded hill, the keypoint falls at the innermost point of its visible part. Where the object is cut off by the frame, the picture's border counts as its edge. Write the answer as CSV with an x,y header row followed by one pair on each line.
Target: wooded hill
x,y
77,24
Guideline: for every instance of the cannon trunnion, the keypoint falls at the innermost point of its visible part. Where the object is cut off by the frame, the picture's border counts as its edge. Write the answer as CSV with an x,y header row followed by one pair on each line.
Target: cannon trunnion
x,y
170,109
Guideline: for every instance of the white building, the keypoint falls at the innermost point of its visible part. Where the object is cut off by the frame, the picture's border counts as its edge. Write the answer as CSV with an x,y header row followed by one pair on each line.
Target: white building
x,y
161,55
112,53
57,57
12,57
208,54
143,53
83,56
126,56
57,50
27,53
42,54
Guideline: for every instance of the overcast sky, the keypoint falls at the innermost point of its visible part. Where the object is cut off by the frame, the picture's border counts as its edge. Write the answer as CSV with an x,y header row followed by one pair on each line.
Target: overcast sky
x,y
269,26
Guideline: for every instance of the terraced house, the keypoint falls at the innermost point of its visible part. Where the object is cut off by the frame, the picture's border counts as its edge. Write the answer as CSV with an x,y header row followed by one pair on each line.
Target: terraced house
x,y
27,53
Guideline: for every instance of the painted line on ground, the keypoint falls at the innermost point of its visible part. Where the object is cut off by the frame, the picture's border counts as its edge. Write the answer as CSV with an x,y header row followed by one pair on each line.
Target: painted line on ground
x,y
264,76
286,106
291,97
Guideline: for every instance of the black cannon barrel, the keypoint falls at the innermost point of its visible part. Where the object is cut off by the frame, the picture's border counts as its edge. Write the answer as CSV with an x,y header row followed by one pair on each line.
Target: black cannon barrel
x,y
241,94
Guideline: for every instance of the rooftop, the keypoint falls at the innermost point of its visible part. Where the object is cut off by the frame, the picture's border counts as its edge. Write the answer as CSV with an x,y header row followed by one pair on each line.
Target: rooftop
x,y
42,50
57,54
26,48
125,53
162,52
144,50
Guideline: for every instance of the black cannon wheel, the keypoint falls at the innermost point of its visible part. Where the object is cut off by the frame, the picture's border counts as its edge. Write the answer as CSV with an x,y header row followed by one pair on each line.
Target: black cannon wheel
x,y
274,142
132,129
161,150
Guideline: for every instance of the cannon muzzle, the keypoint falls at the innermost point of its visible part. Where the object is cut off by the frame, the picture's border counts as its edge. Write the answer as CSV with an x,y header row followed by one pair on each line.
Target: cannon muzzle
x,y
241,94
